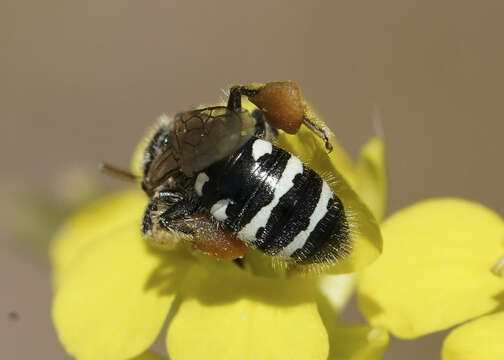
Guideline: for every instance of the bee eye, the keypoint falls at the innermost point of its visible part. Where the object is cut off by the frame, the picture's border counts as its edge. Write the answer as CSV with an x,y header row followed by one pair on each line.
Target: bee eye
x,y
164,141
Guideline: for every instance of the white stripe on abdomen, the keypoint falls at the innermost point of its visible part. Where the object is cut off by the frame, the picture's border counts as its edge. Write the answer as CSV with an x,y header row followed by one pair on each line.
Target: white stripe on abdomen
x,y
317,215
201,179
293,167
260,148
218,209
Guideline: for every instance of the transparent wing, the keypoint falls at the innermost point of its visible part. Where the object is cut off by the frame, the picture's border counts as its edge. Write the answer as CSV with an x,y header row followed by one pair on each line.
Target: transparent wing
x,y
207,135
163,165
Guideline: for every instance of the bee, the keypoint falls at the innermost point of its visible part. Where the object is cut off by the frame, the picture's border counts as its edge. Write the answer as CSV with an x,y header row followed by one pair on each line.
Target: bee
x,y
216,180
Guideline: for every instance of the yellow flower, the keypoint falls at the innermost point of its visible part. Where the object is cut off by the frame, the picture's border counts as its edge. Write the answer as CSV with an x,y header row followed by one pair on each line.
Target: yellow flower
x,y
113,293
478,339
434,273
481,338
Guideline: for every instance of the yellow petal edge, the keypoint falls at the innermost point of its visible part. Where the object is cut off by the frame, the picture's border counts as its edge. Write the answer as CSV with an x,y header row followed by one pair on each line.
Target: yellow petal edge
x,y
149,355
434,270
94,223
234,315
110,305
478,339
358,342
349,342
372,177
108,301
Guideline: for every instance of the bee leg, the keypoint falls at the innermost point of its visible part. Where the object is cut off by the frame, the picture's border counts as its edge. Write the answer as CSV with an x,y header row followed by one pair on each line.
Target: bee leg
x,y
162,199
172,218
235,94
287,109
317,130
168,197
147,223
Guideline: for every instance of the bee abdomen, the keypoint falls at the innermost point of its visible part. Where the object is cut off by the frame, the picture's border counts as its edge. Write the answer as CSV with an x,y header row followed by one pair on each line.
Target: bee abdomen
x,y
326,240
272,201
292,214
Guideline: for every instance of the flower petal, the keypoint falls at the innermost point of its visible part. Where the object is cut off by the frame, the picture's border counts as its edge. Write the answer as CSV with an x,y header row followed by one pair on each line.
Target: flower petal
x,y
149,355
337,289
349,342
367,241
94,223
478,339
434,271
372,177
358,342
234,315
116,294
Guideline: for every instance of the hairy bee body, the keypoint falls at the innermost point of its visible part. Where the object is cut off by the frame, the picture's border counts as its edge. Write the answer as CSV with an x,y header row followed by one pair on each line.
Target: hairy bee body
x,y
216,179
273,202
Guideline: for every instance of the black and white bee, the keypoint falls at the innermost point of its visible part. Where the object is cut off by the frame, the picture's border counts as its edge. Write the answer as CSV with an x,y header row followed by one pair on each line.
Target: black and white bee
x,y
217,181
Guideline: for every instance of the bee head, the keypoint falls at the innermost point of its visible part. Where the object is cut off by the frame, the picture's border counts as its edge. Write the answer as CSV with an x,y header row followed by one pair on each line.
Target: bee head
x,y
182,146
159,163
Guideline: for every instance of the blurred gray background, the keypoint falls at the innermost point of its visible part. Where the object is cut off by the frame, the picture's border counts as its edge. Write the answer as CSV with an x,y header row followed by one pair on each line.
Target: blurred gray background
x,y
81,81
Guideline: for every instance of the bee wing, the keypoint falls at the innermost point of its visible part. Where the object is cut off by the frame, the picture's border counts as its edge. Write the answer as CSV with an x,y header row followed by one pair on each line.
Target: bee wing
x,y
207,135
162,166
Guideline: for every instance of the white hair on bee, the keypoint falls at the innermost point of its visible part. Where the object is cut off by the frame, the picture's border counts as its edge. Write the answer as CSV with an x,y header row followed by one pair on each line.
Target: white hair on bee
x,y
166,122
335,183
163,121
223,99
354,226
226,92
161,237
335,253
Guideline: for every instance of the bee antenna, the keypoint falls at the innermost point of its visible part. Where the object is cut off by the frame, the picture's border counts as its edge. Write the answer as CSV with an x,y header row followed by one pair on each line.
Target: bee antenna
x,y
117,173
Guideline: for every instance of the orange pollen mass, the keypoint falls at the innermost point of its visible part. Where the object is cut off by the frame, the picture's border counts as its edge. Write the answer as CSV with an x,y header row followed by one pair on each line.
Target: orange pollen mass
x,y
218,242
282,104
